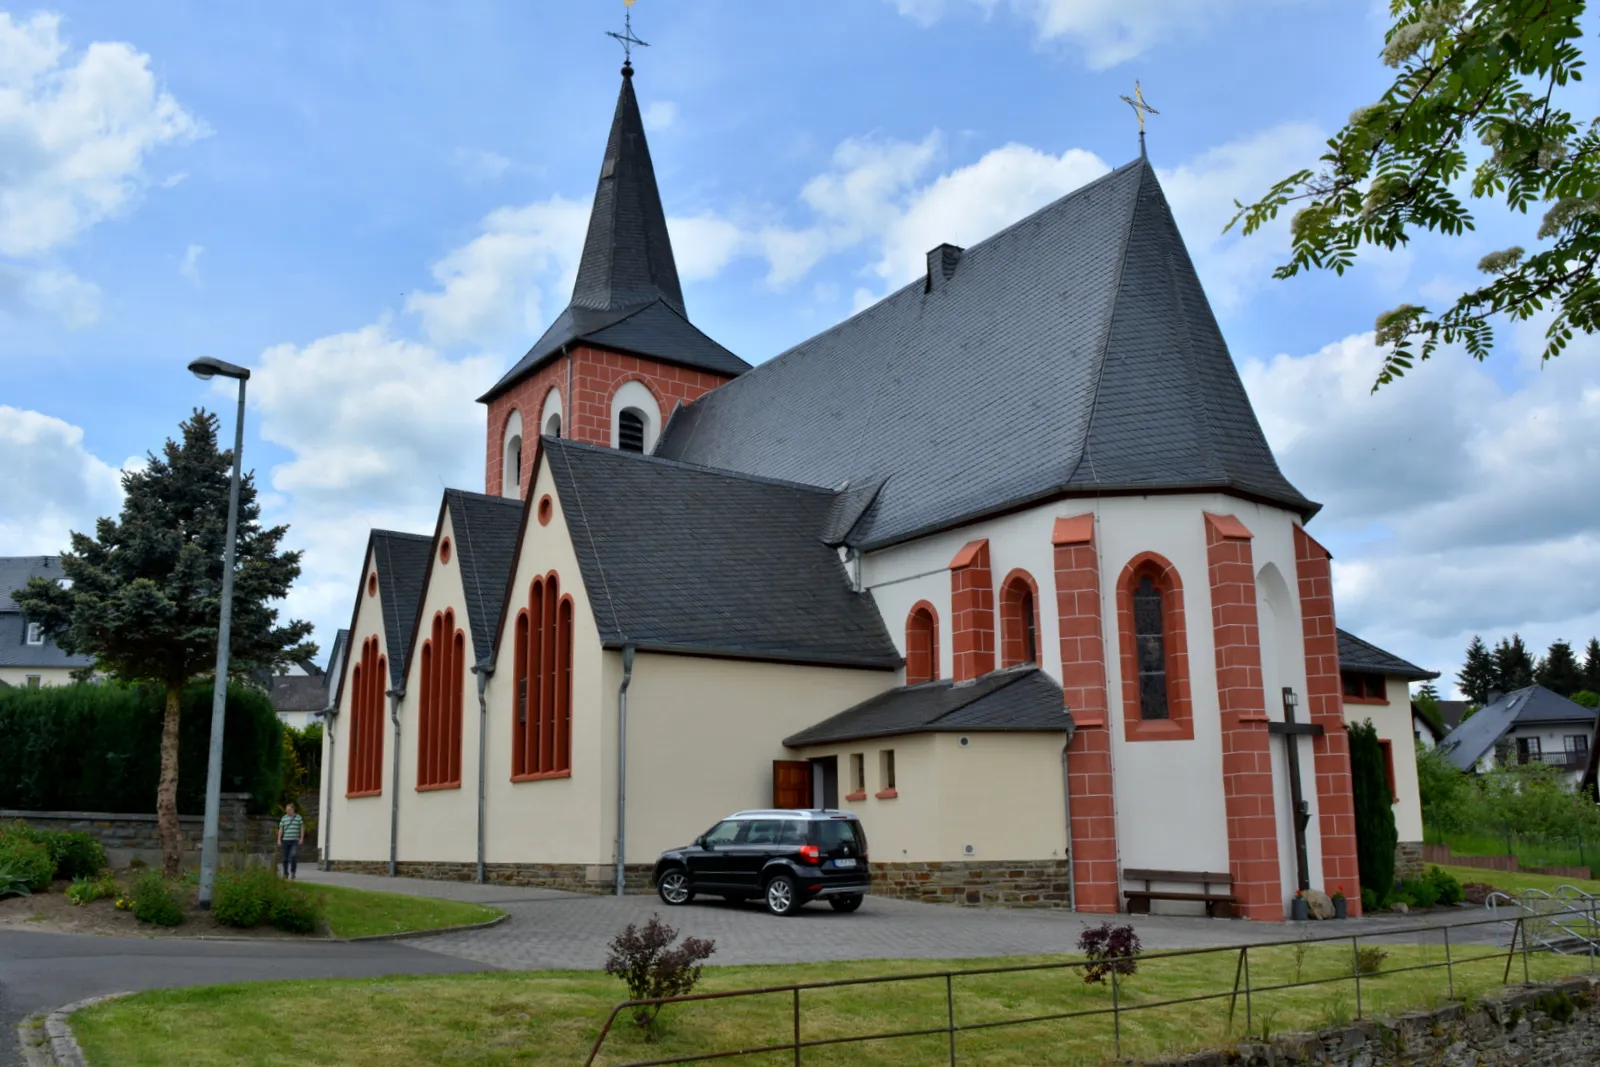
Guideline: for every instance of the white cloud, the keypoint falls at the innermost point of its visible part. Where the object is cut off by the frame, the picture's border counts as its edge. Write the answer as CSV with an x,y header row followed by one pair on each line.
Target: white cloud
x,y
189,267
53,291
75,133
1108,32
52,485
480,165
1454,505
659,115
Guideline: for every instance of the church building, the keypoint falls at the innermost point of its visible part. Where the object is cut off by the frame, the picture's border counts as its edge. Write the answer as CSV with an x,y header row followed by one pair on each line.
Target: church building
x,y
1003,564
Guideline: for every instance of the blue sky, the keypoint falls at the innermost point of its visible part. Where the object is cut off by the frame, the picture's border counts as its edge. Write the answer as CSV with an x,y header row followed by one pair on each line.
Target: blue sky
x,y
379,207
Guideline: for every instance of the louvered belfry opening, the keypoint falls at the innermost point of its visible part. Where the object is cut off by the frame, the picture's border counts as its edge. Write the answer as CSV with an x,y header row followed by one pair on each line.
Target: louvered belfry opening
x,y
630,431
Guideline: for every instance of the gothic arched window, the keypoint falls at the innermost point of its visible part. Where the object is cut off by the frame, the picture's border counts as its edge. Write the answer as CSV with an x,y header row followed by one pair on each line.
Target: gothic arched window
x,y
1155,659
1019,620
922,644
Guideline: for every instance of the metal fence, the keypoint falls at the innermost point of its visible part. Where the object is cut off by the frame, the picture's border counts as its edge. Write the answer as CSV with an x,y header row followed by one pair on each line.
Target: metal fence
x,y
1524,942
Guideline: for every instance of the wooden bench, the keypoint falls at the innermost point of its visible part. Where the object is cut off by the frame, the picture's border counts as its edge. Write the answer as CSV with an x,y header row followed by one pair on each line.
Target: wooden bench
x,y
1139,899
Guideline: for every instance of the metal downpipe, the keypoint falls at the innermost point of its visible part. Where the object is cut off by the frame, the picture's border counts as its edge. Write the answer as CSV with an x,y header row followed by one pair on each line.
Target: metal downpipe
x,y
325,816
483,758
622,768
394,791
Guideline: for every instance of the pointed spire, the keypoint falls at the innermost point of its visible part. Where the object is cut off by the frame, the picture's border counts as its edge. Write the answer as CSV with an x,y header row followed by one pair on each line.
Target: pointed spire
x,y
627,255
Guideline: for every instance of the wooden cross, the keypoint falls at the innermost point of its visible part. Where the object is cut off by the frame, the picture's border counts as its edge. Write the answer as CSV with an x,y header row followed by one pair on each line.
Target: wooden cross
x,y
629,40
1291,732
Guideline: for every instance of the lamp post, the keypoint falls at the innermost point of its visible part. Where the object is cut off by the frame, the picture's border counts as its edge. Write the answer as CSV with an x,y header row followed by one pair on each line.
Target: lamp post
x,y
205,369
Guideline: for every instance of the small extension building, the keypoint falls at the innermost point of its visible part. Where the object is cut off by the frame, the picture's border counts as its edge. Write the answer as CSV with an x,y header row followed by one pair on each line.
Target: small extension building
x,y
1003,563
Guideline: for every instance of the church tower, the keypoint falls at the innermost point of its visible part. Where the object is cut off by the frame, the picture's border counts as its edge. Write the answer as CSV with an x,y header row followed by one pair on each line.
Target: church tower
x,y
623,354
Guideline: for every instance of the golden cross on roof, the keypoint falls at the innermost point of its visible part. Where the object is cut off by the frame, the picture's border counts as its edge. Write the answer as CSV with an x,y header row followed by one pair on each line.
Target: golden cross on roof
x,y
626,36
1140,108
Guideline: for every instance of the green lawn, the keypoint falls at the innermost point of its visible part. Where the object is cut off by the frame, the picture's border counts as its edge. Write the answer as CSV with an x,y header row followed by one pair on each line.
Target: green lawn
x,y
362,912
1521,879
1532,852
553,1017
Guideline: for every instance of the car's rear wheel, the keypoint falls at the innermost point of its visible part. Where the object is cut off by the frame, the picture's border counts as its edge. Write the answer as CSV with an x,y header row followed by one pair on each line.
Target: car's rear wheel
x,y
847,901
782,896
673,888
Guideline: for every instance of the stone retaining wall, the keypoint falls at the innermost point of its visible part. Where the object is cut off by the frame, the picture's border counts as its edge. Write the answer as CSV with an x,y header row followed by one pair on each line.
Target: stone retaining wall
x,y
1524,1026
971,883
127,838
572,877
1408,860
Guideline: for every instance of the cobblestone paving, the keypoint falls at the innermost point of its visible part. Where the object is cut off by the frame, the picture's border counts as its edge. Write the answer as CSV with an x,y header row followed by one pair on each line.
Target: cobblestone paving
x,y
552,929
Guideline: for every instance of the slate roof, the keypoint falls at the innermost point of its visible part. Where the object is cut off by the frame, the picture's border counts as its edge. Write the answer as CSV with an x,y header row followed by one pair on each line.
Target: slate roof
x,y
298,692
1358,655
686,559
15,573
402,560
485,541
1018,699
1072,353
627,296
1535,705
1453,711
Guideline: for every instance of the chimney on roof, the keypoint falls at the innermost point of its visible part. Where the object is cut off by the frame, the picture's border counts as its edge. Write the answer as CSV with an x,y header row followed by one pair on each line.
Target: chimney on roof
x,y
942,263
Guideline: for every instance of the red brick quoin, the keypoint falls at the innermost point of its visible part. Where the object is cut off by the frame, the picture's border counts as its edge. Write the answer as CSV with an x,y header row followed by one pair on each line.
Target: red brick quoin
x,y
596,374
1336,809
971,612
1095,880
1246,752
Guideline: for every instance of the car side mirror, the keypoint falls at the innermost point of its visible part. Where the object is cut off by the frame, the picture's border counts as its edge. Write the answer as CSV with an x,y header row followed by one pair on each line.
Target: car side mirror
x,y
700,842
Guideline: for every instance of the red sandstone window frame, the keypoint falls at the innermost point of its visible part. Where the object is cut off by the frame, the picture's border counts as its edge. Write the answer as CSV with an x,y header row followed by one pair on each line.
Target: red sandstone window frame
x,y
1013,628
541,723
439,718
1387,748
922,643
364,767
1179,724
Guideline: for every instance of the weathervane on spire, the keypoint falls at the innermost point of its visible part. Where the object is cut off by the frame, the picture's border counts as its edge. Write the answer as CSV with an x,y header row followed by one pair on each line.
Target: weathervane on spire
x,y
626,37
1140,108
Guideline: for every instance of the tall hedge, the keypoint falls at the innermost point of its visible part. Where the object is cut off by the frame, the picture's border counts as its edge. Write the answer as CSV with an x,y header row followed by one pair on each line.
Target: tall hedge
x,y
98,748
1376,836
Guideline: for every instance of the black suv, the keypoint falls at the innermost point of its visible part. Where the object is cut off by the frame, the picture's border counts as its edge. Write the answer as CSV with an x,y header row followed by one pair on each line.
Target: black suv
x,y
784,857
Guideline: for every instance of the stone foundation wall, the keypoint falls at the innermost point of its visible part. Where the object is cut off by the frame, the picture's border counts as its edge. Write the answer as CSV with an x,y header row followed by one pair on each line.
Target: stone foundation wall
x,y
1408,861
1524,1026
972,883
572,877
128,838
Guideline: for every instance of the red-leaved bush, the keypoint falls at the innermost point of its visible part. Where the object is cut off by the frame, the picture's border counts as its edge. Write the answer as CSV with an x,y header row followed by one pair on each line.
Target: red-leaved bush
x,y
646,960
1110,948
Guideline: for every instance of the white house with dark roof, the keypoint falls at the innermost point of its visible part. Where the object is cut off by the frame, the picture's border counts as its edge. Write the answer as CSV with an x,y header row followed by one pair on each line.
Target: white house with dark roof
x,y
1531,725
1003,563
27,656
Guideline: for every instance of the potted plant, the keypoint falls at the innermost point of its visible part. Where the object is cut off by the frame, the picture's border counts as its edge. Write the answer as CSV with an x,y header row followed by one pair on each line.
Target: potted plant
x,y
1297,909
1340,909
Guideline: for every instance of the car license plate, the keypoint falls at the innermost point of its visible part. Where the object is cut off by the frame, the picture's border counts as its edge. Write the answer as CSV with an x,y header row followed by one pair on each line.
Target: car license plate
x,y
844,863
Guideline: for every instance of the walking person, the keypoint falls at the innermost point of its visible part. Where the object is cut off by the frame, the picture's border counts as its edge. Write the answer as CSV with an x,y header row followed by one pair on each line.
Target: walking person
x,y
290,829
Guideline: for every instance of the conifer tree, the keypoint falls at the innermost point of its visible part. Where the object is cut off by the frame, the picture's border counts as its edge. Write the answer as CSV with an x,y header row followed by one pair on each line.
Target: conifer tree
x,y
1591,666
1376,836
1513,665
1558,671
145,593
1477,675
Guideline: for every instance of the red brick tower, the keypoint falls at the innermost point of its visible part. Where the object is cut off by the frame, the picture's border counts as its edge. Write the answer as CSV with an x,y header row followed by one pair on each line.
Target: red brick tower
x,y
612,367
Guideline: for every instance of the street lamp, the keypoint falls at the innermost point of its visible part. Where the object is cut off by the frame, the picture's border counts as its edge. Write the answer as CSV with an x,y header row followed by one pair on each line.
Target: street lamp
x,y
205,369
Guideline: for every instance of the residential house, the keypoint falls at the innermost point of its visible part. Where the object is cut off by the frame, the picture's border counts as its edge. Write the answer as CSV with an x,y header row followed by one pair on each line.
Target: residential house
x,y
1531,725
27,656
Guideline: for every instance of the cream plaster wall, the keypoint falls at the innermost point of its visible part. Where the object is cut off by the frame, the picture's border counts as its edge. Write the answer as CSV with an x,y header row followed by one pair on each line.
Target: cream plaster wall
x,y
552,820
905,828
1393,723
703,733
1170,807
439,825
1003,794
360,827
18,676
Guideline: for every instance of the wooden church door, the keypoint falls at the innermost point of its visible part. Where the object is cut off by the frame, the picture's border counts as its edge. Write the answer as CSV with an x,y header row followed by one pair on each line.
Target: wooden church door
x,y
791,783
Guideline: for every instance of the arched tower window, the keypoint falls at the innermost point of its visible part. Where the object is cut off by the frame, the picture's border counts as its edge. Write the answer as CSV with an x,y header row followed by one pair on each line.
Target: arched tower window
x,y
550,414
511,459
1155,659
922,644
635,417
1019,620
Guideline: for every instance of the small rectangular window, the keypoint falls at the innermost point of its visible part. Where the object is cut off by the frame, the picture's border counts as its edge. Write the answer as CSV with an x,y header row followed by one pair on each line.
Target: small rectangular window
x,y
35,634
886,768
33,681
858,772
1359,685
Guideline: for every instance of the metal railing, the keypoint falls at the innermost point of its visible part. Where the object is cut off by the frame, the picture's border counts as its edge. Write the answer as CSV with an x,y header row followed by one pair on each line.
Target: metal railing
x,y
1242,989
1561,920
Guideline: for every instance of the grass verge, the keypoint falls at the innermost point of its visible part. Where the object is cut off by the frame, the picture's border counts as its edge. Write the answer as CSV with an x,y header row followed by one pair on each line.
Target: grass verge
x,y
1516,880
552,1017
363,912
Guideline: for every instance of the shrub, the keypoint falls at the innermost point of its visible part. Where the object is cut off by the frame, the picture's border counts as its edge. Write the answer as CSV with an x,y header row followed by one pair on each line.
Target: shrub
x,y
13,885
27,860
1376,837
1369,901
1112,948
1369,960
76,854
154,901
1450,890
88,890
294,911
645,960
239,899
1418,893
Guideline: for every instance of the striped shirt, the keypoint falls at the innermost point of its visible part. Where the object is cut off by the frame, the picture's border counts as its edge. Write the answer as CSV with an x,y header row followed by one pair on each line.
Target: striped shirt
x,y
290,826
